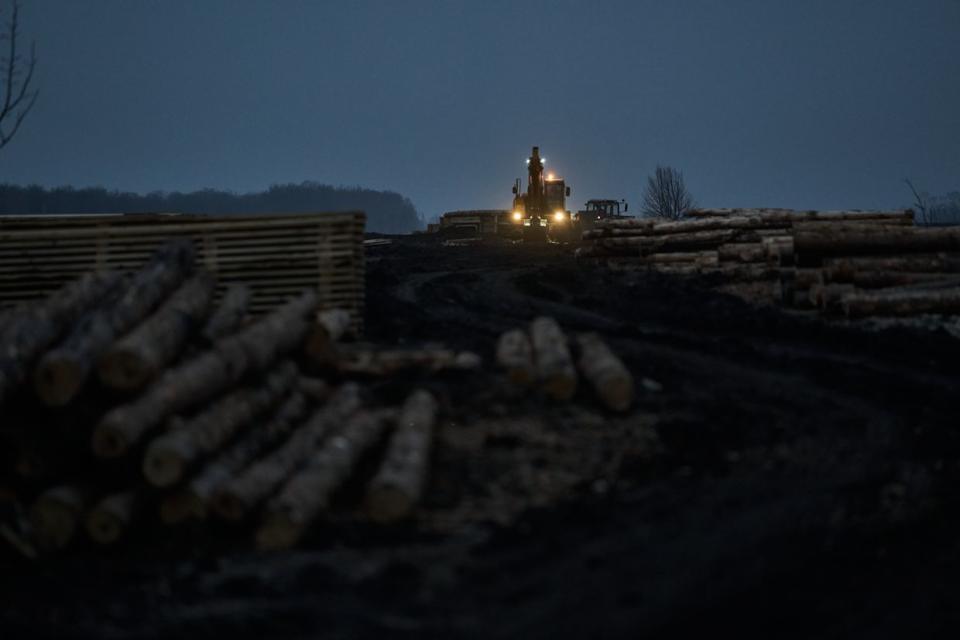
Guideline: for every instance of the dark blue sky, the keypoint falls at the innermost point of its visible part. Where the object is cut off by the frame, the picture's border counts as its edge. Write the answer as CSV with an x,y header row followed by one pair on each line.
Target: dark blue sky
x,y
812,104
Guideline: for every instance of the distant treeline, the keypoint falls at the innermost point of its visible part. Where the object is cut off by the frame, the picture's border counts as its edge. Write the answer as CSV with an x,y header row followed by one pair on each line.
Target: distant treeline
x,y
387,212
944,209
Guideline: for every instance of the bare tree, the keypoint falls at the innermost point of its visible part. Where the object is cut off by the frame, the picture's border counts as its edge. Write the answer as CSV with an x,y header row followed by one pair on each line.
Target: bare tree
x,y
17,74
666,195
921,201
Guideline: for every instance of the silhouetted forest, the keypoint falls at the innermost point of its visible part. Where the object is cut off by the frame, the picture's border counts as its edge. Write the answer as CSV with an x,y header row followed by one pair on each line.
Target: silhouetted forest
x,y
944,209
387,212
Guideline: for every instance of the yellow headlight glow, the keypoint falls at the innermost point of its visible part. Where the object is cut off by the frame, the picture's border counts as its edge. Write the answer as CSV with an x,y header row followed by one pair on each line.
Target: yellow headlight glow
x,y
517,216
559,216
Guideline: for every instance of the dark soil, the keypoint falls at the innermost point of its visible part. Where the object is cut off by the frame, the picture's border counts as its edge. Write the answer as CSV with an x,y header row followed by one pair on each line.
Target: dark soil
x,y
779,476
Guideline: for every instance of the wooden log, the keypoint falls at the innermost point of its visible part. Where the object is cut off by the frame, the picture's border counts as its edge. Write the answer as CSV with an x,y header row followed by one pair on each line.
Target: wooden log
x,y
386,362
742,252
847,226
314,389
228,317
679,257
747,272
555,371
399,483
199,379
587,252
890,217
32,330
625,223
916,263
308,492
828,297
677,268
239,496
780,251
608,376
615,228
330,326
884,279
813,246
112,517
901,303
170,456
138,357
515,355
62,372
194,500
697,240
806,278
56,515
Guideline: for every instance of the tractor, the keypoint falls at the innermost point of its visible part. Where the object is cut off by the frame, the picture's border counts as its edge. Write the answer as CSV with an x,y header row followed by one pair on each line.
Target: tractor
x,y
597,210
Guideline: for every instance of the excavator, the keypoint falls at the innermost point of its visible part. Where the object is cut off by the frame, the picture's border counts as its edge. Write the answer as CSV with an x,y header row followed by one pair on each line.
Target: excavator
x,y
542,209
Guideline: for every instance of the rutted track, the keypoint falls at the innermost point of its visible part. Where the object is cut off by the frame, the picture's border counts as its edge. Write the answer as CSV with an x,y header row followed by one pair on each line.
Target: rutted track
x,y
803,484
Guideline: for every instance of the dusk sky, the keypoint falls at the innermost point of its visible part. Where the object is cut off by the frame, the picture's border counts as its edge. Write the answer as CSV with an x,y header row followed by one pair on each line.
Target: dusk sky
x,y
813,104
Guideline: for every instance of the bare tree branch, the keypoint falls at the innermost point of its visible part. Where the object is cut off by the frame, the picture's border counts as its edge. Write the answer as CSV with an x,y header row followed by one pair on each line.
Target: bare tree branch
x,y
921,202
666,195
18,98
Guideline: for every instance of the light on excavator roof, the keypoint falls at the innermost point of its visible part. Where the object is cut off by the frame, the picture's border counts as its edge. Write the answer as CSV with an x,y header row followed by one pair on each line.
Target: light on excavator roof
x,y
551,176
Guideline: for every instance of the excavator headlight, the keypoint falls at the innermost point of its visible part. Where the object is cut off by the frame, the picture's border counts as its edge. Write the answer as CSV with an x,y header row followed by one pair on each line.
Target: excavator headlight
x,y
559,216
518,216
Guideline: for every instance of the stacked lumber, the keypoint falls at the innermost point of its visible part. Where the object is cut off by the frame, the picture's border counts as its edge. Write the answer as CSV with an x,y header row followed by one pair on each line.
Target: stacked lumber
x,y
851,263
275,256
544,358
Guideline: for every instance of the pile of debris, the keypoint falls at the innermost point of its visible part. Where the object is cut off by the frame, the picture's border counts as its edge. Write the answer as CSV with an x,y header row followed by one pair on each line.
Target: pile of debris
x,y
855,263
128,397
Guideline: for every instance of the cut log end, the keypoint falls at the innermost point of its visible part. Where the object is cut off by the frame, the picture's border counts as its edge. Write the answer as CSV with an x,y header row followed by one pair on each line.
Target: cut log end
x,y
386,504
58,380
163,466
278,532
109,441
180,507
55,518
230,506
124,369
617,394
104,527
560,386
112,517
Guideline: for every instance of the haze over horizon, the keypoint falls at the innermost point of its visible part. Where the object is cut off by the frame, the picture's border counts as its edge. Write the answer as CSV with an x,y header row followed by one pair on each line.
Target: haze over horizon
x,y
805,105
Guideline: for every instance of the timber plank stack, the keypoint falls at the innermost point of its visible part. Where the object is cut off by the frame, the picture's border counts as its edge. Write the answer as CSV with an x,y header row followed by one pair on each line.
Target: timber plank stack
x,y
847,263
131,399
276,255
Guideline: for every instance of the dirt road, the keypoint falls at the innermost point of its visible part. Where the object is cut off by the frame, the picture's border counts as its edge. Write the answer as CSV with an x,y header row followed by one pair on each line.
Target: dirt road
x,y
778,476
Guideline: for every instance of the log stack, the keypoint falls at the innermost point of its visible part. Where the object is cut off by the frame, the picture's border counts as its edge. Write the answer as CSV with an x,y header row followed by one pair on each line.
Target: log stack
x,y
177,408
848,263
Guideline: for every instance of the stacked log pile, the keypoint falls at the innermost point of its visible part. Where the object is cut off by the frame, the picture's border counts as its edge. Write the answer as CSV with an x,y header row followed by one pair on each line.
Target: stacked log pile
x,y
131,398
852,263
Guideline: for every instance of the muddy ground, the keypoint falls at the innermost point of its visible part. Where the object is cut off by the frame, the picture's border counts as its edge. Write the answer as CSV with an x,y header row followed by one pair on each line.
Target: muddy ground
x,y
778,476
